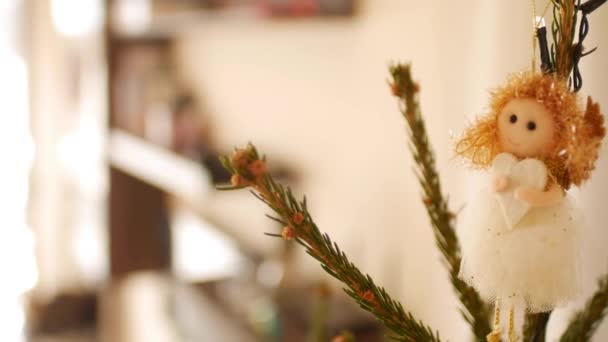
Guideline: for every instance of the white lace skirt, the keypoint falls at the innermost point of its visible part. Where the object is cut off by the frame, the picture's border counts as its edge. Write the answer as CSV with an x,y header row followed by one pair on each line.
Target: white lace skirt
x,y
536,264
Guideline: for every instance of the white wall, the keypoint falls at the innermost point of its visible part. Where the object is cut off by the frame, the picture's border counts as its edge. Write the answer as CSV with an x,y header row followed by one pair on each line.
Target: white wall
x,y
314,93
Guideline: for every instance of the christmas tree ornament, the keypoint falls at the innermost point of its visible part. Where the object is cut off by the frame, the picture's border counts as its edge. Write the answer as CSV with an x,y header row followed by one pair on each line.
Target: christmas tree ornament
x,y
520,235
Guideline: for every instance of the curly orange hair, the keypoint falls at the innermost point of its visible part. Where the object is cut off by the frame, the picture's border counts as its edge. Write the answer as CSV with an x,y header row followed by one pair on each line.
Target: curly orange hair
x,y
578,133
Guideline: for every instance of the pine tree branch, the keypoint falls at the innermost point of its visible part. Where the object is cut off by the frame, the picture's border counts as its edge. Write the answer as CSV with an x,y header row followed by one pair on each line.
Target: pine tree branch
x,y
564,25
320,308
476,312
345,336
249,170
583,325
535,326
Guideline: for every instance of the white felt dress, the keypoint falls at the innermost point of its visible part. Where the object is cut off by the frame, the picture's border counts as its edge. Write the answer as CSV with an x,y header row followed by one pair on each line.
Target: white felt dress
x,y
514,253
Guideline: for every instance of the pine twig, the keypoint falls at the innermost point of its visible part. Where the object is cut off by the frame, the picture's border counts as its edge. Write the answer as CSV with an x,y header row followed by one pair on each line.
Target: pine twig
x,y
476,312
535,326
564,25
345,336
583,325
249,171
320,308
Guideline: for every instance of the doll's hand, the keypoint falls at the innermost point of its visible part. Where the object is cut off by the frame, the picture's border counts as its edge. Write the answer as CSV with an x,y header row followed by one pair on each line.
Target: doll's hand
x,y
539,198
499,183
527,194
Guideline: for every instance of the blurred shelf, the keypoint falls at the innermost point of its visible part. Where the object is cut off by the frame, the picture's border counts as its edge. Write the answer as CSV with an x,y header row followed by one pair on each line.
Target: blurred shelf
x,y
168,25
175,175
153,307
171,24
186,182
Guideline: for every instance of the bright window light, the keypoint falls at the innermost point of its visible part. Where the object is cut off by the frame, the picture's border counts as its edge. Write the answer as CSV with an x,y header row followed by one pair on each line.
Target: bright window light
x,y
133,16
200,251
75,18
17,148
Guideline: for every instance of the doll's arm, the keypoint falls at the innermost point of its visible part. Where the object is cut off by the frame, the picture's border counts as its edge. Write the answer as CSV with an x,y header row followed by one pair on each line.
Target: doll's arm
x,y
539,198
499,183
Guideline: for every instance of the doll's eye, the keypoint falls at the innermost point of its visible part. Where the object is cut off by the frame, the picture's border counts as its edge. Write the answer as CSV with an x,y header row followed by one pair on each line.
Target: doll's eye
x,y
531,126
513,118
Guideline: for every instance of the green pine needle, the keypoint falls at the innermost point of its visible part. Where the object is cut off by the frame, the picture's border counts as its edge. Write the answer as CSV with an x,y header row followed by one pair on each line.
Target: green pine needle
x,y
249,170
535,326
476,312
584,324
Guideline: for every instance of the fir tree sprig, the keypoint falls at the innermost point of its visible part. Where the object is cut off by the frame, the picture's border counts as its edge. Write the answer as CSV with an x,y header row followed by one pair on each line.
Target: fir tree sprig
x,y
345,336
565,53
535,326
248,170
563,28
584,323
318,319
476,312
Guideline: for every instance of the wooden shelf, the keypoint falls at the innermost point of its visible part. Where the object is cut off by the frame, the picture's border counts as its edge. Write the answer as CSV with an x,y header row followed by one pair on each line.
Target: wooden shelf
x,y
159,167
169,25
188,184
154,307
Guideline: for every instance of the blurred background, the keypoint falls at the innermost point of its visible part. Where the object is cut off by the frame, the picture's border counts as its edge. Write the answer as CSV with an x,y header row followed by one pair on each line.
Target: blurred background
x,y
114,113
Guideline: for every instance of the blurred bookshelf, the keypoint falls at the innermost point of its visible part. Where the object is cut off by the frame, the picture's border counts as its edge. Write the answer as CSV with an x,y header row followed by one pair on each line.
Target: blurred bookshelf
x,y
186,182
166,18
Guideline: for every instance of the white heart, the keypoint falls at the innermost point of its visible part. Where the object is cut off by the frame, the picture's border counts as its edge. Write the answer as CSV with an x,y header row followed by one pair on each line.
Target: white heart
x,y
528,172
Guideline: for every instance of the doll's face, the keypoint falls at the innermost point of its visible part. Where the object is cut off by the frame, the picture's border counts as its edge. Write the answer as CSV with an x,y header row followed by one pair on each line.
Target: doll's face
x,y
526,129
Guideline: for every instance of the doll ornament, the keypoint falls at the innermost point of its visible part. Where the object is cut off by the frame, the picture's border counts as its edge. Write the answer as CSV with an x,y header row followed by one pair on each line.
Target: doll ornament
x,y
520,236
